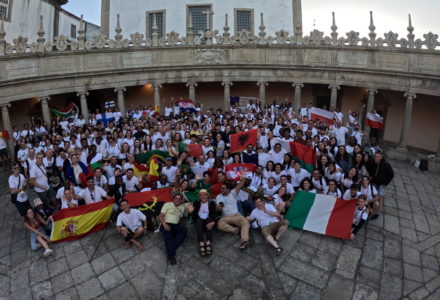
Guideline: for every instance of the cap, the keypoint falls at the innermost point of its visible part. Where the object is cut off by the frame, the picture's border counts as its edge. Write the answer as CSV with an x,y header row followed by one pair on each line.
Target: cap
x,y
203,191
37,201
169,158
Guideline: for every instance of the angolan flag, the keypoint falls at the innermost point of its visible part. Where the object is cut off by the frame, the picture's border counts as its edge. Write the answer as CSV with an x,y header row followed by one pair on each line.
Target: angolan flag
x,y
322,214
66,112
234,171
375,121
322,115
305,155
239,141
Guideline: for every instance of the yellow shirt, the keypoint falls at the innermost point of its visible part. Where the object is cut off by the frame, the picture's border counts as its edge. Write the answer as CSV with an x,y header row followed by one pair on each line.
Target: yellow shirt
x,y
173,213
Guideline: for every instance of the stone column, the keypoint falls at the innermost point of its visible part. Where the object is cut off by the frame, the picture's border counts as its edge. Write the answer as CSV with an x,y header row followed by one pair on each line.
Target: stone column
x,y
333,96
105,17
227,93
7,126
297,100
370,106
45,109
157,88
262,92
406,119
191,90
121,100
83,102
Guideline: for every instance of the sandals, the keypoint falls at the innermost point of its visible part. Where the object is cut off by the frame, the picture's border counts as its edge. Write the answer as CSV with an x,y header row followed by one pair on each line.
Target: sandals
x,y
244,245
202,251
278,251
208,249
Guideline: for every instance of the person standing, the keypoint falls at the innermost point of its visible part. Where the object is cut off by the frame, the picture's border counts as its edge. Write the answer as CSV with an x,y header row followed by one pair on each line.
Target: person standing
x,y
39,180
17,184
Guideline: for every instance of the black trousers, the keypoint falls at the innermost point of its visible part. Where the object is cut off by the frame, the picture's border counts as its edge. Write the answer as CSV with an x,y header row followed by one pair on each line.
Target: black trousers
x,y
201,228
173,238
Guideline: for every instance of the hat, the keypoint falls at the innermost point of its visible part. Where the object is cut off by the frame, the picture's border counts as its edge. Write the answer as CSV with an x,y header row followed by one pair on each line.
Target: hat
x,y
169,158
37,201
203,191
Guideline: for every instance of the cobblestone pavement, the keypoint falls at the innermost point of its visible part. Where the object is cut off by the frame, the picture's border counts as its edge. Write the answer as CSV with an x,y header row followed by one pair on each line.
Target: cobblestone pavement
x,y
396,256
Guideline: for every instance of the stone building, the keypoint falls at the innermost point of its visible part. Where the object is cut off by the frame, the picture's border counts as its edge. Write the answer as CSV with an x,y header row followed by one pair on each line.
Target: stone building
x,y
399,77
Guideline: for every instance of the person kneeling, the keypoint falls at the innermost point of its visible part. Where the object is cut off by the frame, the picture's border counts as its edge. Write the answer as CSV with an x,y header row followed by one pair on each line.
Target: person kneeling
x,y
360,216
131,224
269,219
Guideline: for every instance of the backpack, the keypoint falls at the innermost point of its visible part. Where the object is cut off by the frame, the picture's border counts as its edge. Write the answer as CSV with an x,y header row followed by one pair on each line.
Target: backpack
x,y
423,165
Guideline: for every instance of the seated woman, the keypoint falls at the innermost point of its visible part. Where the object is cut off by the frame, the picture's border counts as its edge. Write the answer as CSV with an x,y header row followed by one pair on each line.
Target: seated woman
x,y
204,216
307,186
332,189
34,223
282,200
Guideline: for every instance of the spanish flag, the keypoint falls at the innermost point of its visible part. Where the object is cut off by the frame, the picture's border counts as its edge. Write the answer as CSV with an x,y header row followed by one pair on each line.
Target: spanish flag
x,y
153,173
76,222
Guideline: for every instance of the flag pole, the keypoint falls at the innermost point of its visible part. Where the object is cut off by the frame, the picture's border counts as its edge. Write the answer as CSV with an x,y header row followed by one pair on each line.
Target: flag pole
x,y
99,243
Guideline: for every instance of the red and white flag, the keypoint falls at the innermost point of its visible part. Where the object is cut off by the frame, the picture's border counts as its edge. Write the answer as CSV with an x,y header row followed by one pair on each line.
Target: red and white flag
x,y
234,171
375,121
322,115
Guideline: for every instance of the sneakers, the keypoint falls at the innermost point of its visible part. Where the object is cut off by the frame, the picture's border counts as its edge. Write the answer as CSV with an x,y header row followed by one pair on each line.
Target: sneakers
x,y
244,245
172,260
48,252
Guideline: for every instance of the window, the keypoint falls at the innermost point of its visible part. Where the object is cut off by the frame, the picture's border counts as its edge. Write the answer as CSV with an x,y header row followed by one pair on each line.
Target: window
x,y
5,10
160,22
244,19
72,31
199,17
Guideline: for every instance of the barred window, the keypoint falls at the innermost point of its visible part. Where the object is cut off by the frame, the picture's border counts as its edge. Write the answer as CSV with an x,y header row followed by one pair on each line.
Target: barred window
x,y
73,31
160,22
244,20
5,6
199,17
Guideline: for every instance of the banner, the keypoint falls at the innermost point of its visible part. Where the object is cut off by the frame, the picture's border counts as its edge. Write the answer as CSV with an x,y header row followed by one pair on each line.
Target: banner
x,y
305,155
66,112
322,115
375,121
239,141
73,223
234,171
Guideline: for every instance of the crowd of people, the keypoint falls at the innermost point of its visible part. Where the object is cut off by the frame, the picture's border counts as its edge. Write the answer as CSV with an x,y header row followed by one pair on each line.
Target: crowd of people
x,y
53,160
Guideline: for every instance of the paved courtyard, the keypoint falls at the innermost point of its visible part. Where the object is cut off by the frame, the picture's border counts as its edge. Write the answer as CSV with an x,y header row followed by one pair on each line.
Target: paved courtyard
x,y
396,256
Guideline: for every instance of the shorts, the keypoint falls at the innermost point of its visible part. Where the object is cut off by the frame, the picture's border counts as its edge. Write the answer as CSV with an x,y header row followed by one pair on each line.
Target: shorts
x,y
380,189
4,152
273,228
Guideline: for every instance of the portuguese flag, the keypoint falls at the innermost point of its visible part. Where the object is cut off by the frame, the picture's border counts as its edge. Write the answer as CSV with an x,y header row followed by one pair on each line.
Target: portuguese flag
x,y
194,150
66,112
239,141
322,214
73,223
305,155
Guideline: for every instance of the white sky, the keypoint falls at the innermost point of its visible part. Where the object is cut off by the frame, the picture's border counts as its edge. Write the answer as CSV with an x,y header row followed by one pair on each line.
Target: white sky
x,y
350,15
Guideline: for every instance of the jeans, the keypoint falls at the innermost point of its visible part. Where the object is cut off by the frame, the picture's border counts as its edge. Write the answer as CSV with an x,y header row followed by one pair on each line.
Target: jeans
x,y
34,242
245,207
173,238
201,228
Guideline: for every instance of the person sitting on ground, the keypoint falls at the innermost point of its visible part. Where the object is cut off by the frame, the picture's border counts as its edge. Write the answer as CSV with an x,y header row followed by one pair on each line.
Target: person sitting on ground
x,y
131,224
360,216
352,193
232,221
38,238
173,232
204,217
44,213
270,221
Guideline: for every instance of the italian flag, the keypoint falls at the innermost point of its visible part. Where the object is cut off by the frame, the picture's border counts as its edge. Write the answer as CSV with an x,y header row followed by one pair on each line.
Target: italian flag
x,y
66,112
322,214
305,155
322,115
375,121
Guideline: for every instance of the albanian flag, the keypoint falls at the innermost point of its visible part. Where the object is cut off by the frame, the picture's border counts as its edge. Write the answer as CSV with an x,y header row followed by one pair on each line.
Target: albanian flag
x,y
239,141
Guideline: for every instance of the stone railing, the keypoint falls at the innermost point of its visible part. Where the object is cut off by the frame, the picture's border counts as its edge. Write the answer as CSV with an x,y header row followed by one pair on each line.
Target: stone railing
x,y
391,40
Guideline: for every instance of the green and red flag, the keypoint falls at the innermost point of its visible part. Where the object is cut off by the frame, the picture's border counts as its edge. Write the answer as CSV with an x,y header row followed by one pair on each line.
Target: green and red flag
x,y
322,214
239,141
305,155
194,150
145,158
66,112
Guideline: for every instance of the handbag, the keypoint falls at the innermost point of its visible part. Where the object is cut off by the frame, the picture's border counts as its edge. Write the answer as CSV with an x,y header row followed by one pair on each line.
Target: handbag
x,y
14,196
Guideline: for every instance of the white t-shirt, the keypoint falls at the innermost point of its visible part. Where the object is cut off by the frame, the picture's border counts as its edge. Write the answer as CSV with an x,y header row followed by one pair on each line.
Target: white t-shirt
x,y
2,143
133,220
230,202
92,197
360,214
60,192
171,173
340,134
102,181
14,184
64,204
370,192
347,195
296,178
269,191
204,210
39,173
263,219
130,184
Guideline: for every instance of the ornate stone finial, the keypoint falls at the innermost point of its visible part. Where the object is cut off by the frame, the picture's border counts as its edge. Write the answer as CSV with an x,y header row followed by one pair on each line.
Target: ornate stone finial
x,y
334,33
2,38
155,34
410,35
262,33
41,40
189,32
226,34
118,29
41,30
262,27
226,28
372,28
81,37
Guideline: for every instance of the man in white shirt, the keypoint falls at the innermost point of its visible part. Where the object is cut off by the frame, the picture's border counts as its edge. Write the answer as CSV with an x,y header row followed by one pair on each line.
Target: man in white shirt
x,y
4,153
74,191
17,185
131,224
284,182
92,193
232,221
132,184
357,134
109,168
339,132
352,193
68,200
169,170
38,178
297,174
270,222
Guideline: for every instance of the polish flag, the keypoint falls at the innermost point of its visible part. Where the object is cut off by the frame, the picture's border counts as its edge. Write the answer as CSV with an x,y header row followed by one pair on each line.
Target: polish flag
x,y
375,121
322,115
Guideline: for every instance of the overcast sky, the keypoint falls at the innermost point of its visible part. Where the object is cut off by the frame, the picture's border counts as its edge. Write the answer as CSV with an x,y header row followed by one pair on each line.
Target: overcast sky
x,y
350,15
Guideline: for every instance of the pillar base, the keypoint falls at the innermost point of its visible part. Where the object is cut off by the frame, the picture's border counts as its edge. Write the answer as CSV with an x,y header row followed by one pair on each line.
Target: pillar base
x,y
398,153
